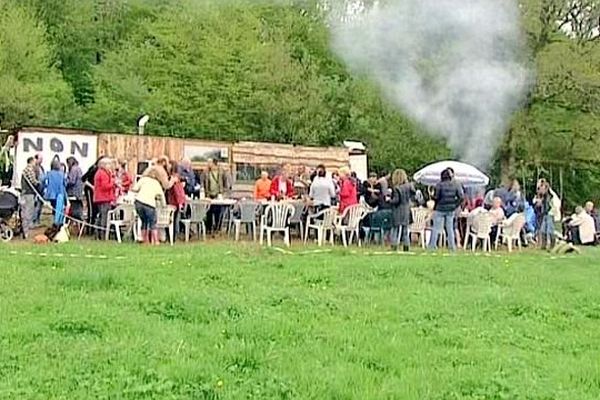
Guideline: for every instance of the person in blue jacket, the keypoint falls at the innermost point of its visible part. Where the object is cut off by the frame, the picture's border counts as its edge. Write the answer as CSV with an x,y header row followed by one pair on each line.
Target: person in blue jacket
x,y
56,191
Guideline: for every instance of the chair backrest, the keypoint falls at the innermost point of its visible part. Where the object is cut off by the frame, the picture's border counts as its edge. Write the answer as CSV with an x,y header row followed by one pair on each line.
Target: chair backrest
x,y
278,215
482,225
124,213
353,215
382,220
198,210
421,217
248,210
164,216
329,217
514,225
299,208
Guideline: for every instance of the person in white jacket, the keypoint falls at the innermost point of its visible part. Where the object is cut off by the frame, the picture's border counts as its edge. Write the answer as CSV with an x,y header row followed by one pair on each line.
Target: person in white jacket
x,y
584,228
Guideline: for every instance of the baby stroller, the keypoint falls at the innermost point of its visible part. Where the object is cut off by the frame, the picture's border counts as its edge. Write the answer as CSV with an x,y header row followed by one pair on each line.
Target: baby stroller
x,y
9,214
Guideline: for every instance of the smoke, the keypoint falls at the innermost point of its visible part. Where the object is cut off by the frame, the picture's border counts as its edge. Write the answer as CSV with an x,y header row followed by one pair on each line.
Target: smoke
x,y
451,65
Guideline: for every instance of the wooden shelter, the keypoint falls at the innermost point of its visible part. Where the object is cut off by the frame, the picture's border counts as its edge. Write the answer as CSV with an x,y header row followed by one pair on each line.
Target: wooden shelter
x,y
245,160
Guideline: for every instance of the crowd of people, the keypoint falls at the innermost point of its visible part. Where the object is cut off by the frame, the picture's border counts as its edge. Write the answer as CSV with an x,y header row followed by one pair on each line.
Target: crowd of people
x,y
165,182
65,188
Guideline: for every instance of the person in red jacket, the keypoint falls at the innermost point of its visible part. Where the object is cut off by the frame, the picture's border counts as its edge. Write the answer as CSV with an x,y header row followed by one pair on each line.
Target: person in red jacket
x,y
176,195
104,193
282,187
347,190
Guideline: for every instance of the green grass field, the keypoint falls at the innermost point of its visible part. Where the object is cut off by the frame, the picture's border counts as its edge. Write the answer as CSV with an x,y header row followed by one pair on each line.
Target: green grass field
x,y
235,322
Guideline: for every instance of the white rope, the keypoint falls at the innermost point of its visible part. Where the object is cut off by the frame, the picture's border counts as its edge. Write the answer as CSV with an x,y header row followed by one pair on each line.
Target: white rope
x,y
67,217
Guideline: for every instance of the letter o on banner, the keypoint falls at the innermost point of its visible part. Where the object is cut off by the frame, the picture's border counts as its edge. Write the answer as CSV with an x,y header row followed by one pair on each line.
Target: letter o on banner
x,y
56,145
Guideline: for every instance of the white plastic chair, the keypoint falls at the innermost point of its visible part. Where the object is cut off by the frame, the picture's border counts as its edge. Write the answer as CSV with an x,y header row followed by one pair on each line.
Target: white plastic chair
x,y
421,217
122,217
248,212
510,231
198,211
298,216
480,230
164,220
276,219
323,222
349,221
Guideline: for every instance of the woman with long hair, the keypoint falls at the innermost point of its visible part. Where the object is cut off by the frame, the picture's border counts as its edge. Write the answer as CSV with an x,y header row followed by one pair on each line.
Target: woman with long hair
x,y
402,193
149,195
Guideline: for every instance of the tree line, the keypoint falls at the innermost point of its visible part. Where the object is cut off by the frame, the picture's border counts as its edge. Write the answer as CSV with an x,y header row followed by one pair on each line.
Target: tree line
x,y
259,70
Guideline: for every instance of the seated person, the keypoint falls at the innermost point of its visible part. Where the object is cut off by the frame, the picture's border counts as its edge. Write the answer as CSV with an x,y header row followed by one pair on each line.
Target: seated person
x,y
262,187
282,187
591,210
497,212
477,208
582,228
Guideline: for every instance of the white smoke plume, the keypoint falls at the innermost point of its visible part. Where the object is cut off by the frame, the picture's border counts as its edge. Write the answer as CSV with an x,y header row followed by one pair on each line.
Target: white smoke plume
x,y
454,66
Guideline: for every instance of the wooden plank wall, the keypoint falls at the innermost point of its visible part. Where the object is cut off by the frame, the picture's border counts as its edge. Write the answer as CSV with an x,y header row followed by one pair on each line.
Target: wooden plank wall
x,y
272,153
134,149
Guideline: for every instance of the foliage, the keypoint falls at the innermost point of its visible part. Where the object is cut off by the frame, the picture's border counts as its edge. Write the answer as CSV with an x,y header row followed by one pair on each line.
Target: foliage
x,y
254,324
559,127
32,89
263,70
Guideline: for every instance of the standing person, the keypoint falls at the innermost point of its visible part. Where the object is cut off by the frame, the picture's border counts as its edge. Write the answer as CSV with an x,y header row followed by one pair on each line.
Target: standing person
x,y
448,196
262,187
104,194
40,172
335,177
357,185
214,187
176,196
384,182
282,187
149,195
402,194
75,188
159,170
88,191
321,190
347,190
542,204
188,177
56,191
302,181
30,185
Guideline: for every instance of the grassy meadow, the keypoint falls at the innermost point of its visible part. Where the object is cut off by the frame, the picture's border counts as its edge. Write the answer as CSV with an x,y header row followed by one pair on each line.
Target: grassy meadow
x,y
225,321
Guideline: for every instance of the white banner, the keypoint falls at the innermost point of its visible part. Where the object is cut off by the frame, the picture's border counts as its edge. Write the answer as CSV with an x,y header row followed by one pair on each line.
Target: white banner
x,y
84,148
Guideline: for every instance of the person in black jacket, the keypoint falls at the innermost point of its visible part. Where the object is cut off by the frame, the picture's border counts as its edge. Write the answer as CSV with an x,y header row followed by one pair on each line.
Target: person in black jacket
x,y
88,189
371,190
448,196
402,193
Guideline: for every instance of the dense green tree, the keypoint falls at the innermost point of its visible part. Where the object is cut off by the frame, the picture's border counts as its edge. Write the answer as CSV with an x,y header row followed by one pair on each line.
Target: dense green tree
x,y
32,90
263,70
